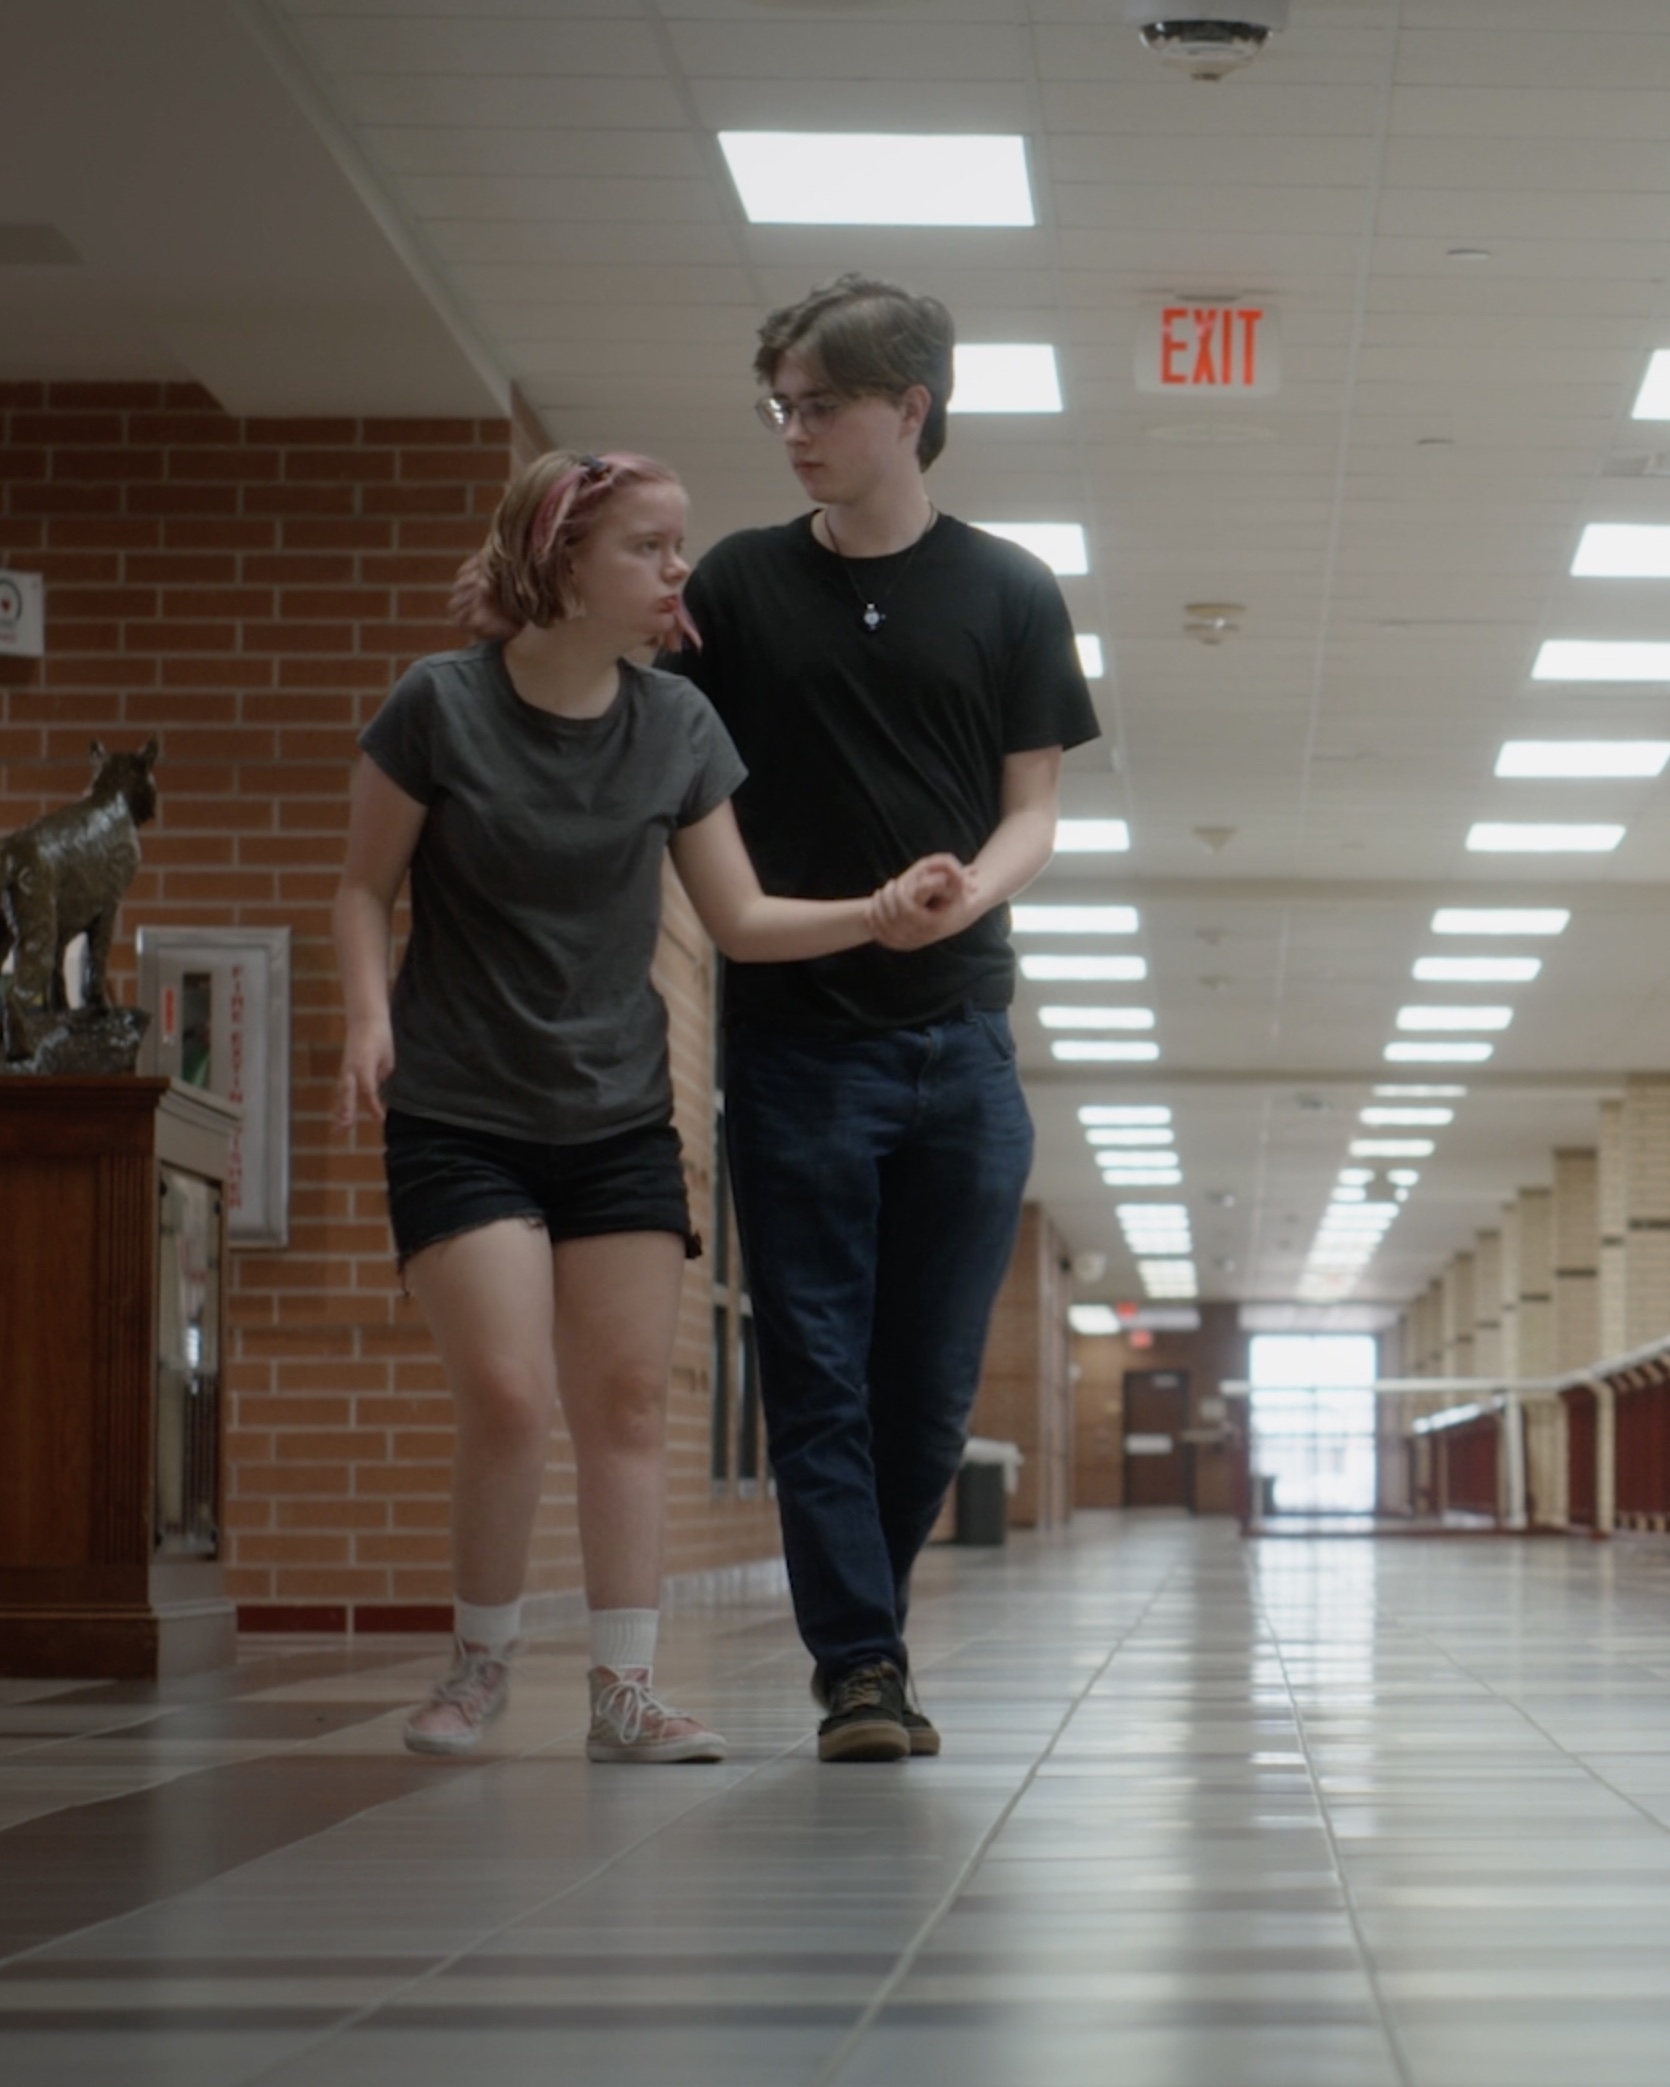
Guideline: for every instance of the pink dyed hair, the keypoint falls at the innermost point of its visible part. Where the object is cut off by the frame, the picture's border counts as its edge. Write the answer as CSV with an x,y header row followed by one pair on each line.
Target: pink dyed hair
x,y
548,511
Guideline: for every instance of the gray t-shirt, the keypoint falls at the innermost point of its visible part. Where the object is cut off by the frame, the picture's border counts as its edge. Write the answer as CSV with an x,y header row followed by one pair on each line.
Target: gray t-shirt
x,y
524,1004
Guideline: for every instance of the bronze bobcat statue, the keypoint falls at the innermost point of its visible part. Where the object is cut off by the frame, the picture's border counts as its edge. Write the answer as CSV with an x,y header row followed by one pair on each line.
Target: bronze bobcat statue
x,y
64,876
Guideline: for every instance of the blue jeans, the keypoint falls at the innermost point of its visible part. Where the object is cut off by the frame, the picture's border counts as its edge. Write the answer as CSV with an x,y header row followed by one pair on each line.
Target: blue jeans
x,y
878,1184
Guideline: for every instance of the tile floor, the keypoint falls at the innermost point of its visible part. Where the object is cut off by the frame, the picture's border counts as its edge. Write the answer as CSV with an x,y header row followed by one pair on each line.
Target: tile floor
x,y
1211,1813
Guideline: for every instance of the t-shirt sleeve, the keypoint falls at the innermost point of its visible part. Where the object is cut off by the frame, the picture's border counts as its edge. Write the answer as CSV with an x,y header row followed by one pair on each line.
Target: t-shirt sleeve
x,y
400,738
717,770
1045,700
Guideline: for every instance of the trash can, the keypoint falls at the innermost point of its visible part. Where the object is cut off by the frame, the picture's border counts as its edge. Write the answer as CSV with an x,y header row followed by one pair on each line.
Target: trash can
x,y
982,1511
990,1471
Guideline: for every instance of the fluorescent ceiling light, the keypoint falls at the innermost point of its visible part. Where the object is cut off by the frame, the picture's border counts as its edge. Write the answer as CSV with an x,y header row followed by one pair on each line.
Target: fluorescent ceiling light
x,y
1405,1177
1140,1160
1572,760
798,177
1438,1054
1392,1148
1096,1017
1623,551
1356,1177
1509,838
1073,1052
1061,545
1091,836
1093,1318
1454,1017
1091,664
1005,377
1500,920
1342,1194
1100,1135
1387,1117
1124,1112
1073,920
1085,970
1151,1211
1602,659
1130,1177
1423,1093
1479,971
1652,401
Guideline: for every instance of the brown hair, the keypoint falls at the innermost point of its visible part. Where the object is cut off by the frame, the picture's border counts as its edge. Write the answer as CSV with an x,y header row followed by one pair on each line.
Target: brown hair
x,y
547,512
868,339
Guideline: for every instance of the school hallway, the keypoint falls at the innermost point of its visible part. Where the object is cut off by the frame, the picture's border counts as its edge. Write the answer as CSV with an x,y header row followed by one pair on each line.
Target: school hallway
x,y
1211,1813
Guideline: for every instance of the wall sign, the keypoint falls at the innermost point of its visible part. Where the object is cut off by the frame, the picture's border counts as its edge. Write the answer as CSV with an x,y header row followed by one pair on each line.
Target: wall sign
x,y
22,615
1186,349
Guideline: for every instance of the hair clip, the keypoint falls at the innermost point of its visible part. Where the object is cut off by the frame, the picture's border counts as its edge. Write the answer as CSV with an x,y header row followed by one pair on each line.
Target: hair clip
x,y
593,468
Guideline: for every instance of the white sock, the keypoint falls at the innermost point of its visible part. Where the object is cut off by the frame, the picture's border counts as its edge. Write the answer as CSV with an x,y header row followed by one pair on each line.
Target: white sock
x,y
623,1638
497,1629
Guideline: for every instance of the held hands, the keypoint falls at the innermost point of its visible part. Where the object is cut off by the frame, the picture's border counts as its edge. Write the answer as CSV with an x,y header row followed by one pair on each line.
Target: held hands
x,y
367,1061
936,897
470,608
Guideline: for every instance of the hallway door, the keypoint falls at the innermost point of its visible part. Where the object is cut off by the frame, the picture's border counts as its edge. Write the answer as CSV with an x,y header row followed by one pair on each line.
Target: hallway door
x,y
1156,1413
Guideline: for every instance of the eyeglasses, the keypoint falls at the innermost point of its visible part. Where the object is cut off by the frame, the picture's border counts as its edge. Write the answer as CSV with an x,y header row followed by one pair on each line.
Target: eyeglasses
x,y
814,412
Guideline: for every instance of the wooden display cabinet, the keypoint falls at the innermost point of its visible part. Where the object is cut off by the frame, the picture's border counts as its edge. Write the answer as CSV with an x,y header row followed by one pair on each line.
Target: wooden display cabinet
x,y
112,1251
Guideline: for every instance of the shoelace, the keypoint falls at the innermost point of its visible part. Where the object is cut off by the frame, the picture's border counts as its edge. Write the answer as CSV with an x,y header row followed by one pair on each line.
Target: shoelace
x,y
471,1677
862,1690
629,1704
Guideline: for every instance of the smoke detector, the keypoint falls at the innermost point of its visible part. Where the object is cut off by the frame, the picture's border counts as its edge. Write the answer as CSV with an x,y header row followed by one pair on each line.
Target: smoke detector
x,y
1207,47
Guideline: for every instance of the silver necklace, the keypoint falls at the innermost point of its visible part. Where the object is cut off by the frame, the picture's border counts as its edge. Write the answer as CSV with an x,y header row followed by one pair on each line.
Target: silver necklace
x,y
872,615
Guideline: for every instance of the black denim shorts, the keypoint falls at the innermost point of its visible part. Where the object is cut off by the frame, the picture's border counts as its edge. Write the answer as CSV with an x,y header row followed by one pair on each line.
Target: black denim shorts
x,y
444,1180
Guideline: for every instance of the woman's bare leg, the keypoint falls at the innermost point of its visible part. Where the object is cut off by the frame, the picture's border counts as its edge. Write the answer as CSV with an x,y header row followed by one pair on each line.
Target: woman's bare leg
x,y
487,1299
616,1312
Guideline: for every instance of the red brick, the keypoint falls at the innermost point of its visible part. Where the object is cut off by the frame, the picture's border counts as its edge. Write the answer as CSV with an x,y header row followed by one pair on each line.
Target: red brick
x,y
241,602
240,466
301,500
358,534
71,602
399,433
338,466
182,637
233,534
14,394
78,396
77,568
230,671
297,637
302,569
342,672
171,430
124,467
357,602
458,538
109,532
459,465
180,499
55,498
415,500
63,429
198,568
291,432
19,464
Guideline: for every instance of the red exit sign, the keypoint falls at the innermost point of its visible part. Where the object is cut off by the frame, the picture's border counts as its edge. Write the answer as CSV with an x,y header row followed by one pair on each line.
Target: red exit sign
x,y
1212,350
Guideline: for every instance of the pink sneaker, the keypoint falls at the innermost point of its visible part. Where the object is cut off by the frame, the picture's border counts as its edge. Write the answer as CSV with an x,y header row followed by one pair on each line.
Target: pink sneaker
x,y
629,1722
461,1707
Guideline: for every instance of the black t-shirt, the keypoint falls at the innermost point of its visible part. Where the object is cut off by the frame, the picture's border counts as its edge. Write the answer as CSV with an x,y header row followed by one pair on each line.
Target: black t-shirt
x,y
866,749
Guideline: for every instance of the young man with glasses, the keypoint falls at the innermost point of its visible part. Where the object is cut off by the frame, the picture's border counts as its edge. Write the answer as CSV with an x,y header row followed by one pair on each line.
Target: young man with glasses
x,y
899,685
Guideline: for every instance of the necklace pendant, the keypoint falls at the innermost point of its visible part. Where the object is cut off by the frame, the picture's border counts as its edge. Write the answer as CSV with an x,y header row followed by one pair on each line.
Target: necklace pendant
x,y
872,618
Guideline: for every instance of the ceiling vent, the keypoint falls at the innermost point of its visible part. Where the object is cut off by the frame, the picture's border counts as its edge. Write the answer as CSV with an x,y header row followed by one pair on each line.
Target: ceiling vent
x,y
1207,46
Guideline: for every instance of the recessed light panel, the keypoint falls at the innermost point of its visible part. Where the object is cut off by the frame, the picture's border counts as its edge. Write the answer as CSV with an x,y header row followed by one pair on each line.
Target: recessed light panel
x,y
1454,1017
1049,970
1061,545
792,177
1574,760
1124,1112
1091,664
1392,1148
1095,1319
1091,836
1478,971
1072,1051
1602,659
1096,1017
1073,920
1500,920
1127,1177
1438,1053
1118,1134
1424,1093
1623,551
1652,401
1391,1118
1005,377
1521,838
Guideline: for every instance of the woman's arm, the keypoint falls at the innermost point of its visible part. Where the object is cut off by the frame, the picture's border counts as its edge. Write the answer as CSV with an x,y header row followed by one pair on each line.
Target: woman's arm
x,y
1022,841
752,928
383,828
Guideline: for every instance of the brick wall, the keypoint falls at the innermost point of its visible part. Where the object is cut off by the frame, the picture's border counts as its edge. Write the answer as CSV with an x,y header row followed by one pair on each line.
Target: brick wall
x,y
248,589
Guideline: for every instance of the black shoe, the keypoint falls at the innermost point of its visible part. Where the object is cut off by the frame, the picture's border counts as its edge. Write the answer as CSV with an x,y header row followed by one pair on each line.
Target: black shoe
x,y
919,1727
866,1720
